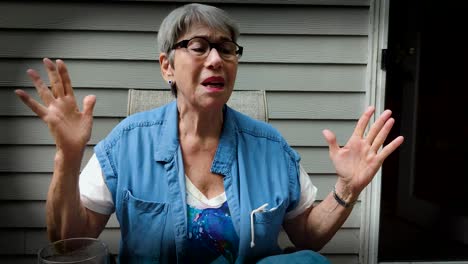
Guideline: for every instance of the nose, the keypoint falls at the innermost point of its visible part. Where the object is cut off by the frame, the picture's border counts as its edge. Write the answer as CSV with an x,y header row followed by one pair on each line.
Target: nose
x,y
214,59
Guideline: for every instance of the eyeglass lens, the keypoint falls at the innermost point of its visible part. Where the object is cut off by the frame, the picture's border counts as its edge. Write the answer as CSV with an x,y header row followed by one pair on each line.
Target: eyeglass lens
x,y
201,47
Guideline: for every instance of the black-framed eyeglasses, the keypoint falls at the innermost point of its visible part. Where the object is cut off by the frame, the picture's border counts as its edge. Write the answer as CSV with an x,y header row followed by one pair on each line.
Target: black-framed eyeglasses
x,y
201,47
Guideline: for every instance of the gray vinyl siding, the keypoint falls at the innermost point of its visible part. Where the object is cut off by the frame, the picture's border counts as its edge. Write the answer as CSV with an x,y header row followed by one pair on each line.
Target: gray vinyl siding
x,y
310,56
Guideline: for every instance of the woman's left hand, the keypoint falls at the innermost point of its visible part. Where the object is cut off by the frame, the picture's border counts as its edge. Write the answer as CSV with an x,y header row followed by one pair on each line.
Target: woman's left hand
x,y
358,161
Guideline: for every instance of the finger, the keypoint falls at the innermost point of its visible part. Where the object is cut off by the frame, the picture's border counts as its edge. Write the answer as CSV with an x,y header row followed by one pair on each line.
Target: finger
x,y
42,90
390,147
383,133
377,126
331,140
363,121
54,78
66,81
88,105
36,107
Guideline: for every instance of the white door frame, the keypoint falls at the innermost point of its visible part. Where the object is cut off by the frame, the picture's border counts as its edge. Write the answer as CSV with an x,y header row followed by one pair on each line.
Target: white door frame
x,y
375,95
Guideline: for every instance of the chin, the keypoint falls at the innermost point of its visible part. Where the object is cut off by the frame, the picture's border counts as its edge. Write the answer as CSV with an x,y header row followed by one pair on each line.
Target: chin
x,y
214,102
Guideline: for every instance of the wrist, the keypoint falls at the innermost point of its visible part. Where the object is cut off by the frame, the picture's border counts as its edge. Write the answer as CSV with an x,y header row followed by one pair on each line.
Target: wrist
x,y
341,201
68,158
344,194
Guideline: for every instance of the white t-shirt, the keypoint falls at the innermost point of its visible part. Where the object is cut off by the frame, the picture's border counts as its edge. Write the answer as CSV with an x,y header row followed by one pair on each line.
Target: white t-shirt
x,y
95,194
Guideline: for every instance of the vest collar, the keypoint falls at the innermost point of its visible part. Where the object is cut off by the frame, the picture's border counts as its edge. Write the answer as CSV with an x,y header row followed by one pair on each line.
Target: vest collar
x,y
165,151
226,152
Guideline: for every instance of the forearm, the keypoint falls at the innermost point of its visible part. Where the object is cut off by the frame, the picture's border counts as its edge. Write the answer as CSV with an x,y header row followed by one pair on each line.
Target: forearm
x,y
66,217
324,221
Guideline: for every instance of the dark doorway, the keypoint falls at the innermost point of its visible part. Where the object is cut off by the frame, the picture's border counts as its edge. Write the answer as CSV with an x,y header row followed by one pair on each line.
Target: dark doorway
x,y
424,206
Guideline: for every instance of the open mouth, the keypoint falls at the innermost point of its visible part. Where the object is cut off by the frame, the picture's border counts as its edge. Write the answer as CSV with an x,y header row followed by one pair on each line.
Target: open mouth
x,y
214,82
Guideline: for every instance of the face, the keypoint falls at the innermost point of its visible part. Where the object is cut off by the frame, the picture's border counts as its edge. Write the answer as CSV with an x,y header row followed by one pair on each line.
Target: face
x,y
202,83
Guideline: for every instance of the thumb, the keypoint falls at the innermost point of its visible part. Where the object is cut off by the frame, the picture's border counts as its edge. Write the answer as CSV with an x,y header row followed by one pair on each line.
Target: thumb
x,y
331,140
88,104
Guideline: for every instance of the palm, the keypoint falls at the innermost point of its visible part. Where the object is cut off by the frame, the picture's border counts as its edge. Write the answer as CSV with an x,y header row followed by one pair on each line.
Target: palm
x,y
70,128
358,161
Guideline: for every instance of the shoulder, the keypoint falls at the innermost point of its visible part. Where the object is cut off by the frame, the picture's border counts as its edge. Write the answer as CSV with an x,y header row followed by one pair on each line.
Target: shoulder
x,y
139,122
252,128
151,117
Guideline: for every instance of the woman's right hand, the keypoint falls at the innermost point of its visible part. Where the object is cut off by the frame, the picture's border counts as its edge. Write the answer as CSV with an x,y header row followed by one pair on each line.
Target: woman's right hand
x,y
70,128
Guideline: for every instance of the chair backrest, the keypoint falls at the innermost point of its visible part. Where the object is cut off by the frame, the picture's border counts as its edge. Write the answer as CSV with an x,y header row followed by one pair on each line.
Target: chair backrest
x,y
251,103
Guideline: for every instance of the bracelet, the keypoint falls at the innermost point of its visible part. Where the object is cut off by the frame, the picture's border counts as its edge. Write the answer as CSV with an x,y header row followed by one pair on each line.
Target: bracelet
x,y
342,202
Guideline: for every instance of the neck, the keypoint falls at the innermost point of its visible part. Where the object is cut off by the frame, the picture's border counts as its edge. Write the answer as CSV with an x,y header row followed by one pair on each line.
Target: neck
x,y
200,125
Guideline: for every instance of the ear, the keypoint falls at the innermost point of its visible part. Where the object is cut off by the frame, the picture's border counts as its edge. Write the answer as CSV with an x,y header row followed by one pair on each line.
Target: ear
x,y
167,71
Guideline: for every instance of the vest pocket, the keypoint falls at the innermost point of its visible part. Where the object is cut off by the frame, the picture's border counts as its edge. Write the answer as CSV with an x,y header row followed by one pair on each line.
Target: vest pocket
x,y
270,215
142,226
267,225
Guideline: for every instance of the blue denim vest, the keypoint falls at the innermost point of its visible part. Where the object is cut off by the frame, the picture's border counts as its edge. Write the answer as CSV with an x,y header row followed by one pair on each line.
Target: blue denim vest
x,y
143,168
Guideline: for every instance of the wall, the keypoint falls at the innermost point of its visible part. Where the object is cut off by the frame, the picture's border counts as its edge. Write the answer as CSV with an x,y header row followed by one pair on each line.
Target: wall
x,y
310,56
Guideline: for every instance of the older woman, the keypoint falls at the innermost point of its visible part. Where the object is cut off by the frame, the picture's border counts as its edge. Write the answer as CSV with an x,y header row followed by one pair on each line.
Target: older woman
x,y
194,180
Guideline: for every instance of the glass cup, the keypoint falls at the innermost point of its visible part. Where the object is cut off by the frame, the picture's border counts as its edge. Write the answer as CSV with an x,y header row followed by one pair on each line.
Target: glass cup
x,y
75,250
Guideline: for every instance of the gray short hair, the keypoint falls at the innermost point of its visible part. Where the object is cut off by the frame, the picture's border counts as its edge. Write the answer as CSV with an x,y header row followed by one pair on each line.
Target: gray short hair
x,y
178,22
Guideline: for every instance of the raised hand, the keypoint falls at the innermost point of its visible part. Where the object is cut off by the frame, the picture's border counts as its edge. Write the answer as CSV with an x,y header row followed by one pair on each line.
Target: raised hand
x,y
70,128
358,161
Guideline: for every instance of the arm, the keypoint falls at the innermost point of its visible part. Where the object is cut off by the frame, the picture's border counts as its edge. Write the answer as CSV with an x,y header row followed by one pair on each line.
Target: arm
x,y
71,129
66,215
356,164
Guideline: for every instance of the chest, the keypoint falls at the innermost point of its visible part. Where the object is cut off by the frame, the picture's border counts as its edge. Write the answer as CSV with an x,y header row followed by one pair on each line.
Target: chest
x,y
197,167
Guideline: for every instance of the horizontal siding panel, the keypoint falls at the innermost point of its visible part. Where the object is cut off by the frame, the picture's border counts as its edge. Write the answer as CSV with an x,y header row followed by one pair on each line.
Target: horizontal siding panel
x,y
303,77
12,241
142,46
33,131
31,158
22,214
302,20
34,186
84,16
25,158
36,239
302,133
324,184
283,105
24,186
146,75
78,44
110,103
354,219
137,17
89,73
297,49
345,241
32,214
315,160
